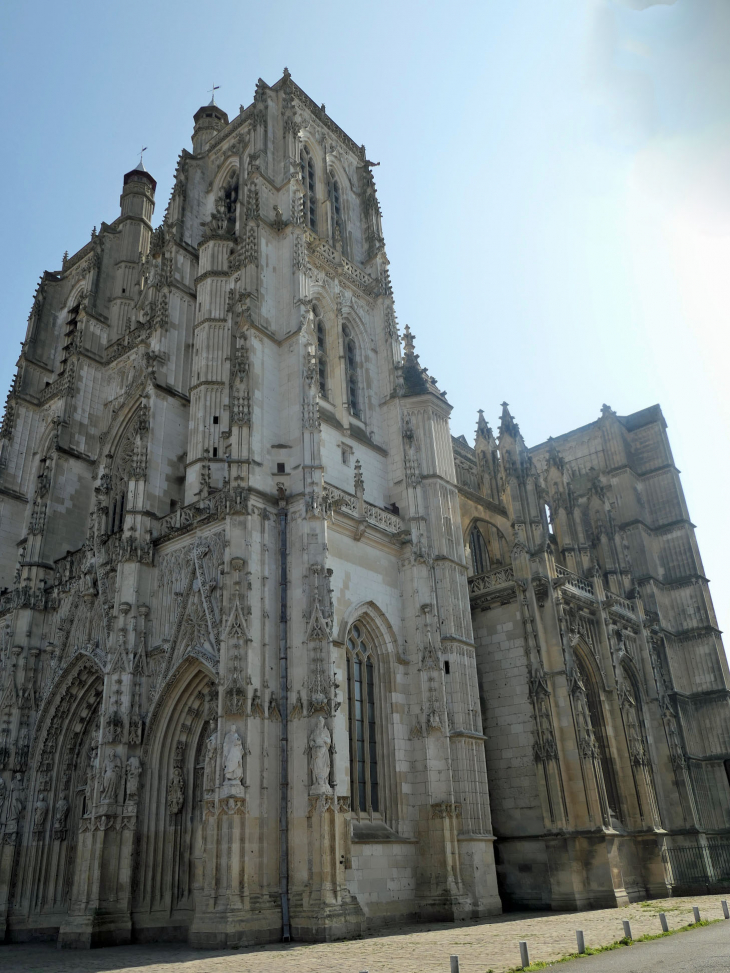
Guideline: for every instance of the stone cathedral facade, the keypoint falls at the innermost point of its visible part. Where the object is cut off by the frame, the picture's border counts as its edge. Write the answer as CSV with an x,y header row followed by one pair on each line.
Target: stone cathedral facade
x,y
272,641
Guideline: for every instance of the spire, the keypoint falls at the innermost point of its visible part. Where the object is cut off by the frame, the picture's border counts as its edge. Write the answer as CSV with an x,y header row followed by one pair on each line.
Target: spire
x,y
483,430
507,425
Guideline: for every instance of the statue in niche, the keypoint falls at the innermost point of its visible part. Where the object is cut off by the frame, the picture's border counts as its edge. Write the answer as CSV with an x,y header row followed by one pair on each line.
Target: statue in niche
x,y
319,749
60,815
111,777
176,792
233,756
211,753
134,770
17,802
89,583
39,812
257,707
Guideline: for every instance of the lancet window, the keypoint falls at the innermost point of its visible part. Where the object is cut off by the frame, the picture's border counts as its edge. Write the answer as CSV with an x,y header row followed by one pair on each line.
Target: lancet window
x,y
321,333
230,195
595,708
479,554
338,223
351,371
306,164
361,680
121,469
69,336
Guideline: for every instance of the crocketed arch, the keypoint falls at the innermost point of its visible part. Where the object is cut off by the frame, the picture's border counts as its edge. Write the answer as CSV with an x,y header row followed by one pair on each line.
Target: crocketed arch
x,y
170,849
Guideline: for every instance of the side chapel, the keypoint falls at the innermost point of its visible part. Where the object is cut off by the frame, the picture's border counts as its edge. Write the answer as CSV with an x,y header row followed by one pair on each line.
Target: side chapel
x,y
279,657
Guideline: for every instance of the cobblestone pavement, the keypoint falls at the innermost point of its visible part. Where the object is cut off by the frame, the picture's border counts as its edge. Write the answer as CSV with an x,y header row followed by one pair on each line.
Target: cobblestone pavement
x,y
491,944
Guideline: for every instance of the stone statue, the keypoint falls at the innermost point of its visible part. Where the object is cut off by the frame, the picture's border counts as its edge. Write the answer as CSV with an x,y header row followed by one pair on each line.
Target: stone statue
x,y
176,792
111,777
319,749
39,812
233,756
60,815
17,802
134,770
211,754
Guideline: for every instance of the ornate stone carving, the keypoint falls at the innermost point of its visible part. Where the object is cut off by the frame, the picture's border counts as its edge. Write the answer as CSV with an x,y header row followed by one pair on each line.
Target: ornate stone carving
x,y
134,772
320,742
111,777
176,792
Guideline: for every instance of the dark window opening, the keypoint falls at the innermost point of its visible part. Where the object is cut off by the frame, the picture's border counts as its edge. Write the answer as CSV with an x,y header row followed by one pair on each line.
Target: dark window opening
x,y
479,554
447,667
215,452
306,165
364,785
351,365
215,420
281,467
230,196
321,351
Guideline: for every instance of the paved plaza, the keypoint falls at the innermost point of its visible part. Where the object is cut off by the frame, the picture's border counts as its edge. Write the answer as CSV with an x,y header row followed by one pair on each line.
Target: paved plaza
x,y
492,944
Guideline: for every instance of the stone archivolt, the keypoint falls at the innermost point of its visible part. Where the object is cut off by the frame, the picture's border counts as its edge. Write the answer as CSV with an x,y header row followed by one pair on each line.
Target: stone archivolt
x,y
253,675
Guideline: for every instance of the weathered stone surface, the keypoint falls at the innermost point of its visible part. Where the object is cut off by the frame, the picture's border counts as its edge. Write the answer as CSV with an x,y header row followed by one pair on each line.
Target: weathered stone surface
x,y
239,679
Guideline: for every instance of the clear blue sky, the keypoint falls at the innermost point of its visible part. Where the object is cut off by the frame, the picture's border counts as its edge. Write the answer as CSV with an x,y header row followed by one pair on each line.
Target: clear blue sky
x,y
555,183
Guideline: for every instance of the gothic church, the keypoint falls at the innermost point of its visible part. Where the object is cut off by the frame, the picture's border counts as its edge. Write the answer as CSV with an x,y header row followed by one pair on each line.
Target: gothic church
x,y
279,657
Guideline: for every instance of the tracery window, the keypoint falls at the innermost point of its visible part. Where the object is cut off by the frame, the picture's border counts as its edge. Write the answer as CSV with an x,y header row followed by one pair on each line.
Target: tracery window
x,y
351,369
479,553
361,676
321,350
306,164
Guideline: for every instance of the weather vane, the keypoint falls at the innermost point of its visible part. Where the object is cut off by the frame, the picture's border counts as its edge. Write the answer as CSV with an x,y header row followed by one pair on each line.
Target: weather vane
x,y
212,93
141,153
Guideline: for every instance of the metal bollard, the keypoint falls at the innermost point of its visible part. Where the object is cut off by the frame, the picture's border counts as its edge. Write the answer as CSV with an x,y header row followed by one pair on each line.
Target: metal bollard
x,y
454,964
725,911
581,941
627,929
663,920
696,912
524,954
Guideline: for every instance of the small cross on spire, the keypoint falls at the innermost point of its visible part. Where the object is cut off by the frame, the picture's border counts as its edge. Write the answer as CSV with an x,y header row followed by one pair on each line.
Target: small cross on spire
x,y
212,93
140,164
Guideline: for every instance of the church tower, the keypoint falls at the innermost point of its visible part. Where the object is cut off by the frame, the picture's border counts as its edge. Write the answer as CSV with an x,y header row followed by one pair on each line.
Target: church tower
x,y
237,674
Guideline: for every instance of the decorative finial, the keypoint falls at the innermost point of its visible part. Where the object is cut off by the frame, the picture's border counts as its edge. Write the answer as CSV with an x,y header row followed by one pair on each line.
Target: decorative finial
x,y
212,94
287,73
408,341
140,164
